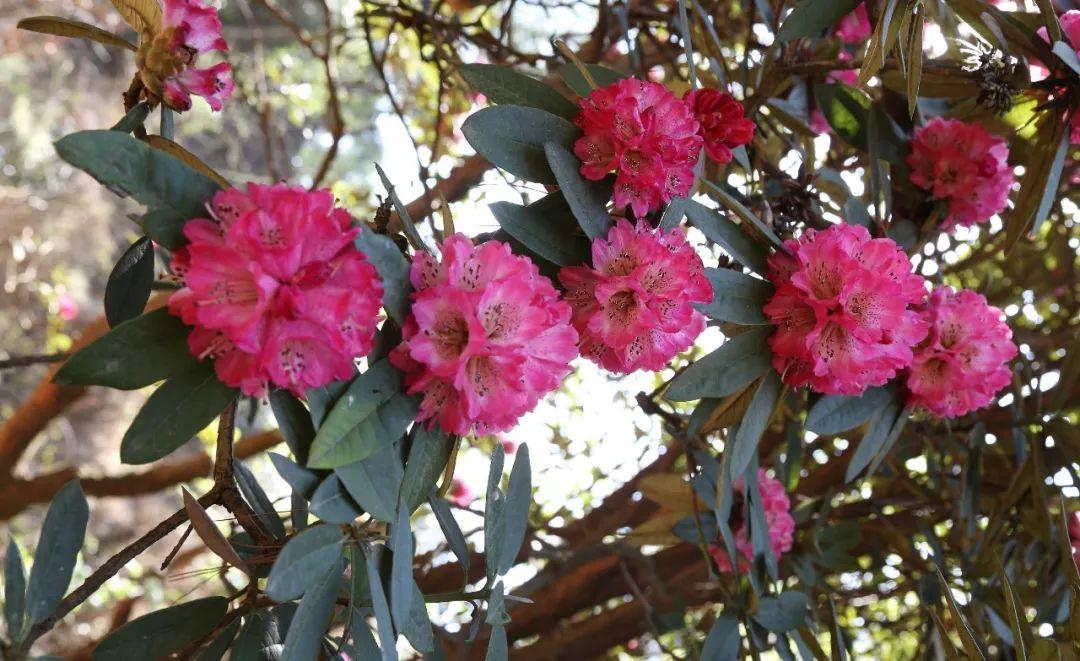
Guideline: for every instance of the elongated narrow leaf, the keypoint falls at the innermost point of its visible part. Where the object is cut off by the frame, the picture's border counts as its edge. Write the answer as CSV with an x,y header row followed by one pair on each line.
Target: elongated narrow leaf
x,y
450,529
313,615
303,481
383,619
374,482
160,633
393,270
849,110
1039,184
602,75
542,234
54,558
305,558
66,27
503,85
262,635
726,234
588,199
833,414
133,119
513,138
739,361
967,637
737,297
723,639
736,207
142,15
427,458
1067,54
14,592
364,420
176,411
1021,630
784,613
418,627
173,190
133,355
259,501
295,422
332,503
518,500
877,441
809,18
208,531
915,63
218,647
494,513
182,154
401,571
744,445
128,288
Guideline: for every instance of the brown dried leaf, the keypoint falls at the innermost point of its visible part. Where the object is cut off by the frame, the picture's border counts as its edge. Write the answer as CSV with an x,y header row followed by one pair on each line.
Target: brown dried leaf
x,y
208,531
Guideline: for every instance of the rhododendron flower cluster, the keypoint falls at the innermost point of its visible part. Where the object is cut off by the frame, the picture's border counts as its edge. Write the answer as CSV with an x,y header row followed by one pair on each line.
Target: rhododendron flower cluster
x,y
843,310
276,290
722,120
166,59
633,307
487,338
646,134
777,517
963,362
855,28
964,165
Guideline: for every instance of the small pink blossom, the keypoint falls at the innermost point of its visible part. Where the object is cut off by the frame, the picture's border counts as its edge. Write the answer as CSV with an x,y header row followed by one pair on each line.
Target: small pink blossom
x,y
67,307
778,518
843,310
275,289
460,494
633,308
509,447
166,59
855,28
963,362
646,135
723,122
964,165
487,338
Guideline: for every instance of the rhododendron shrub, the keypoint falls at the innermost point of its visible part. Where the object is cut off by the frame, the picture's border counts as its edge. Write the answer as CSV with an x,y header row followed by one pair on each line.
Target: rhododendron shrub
x,y
844,310
778,520
166,58
647,135
964,166
963,362
633,308
275,290
487,338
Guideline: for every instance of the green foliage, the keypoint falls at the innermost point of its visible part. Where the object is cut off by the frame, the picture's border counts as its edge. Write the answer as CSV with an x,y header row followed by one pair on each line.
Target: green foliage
x,y
162,632
513,138
130,282
61,539
304,559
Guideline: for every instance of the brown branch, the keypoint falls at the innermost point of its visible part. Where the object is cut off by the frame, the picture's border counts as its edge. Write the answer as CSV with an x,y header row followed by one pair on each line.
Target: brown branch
x,y
32,359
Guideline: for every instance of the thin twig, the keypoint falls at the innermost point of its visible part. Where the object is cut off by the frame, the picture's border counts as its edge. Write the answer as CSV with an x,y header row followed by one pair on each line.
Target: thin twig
x,y
32,359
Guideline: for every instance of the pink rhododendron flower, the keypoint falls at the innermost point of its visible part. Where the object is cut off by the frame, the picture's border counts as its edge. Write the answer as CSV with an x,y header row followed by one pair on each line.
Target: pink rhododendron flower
x,y
842,310
509,447
167,59
722,120
633,307
964,165
646,135
777,517
855,28
276,290
67,306
460,494
487,338
963,362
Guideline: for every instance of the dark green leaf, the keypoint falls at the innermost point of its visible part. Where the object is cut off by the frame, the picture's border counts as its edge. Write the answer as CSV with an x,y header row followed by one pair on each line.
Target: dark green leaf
x,y
14,592
158,634
518,500
1021,630
401,571
810,18
497,649
541,233
737,297
494,513
128,288
217,648
428,455
295,423
452,532
178,410
753,424
513,137
305,558
833,414
174,191
877,441
383,619
65,27
303,481
587,199
783,613
332,503
726,234
363,646
313,615
730,202
849,111
135,354
259,501
393,270
134,118
967,637
374,482
261,637
722,643
418,627
54,558
602,75
367,418
503,85
321,400
738,362
1039,185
